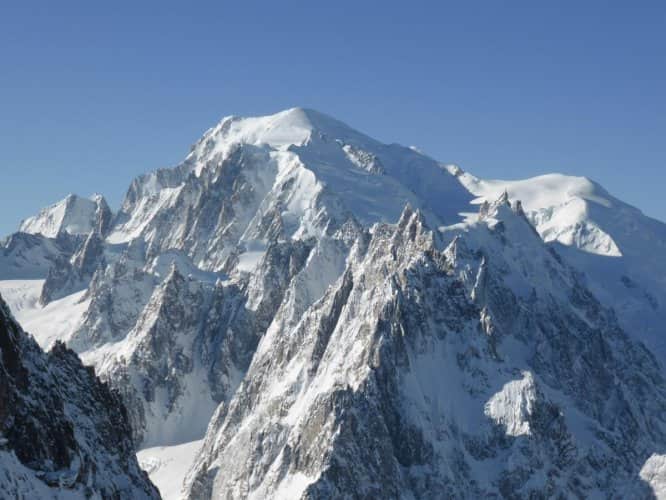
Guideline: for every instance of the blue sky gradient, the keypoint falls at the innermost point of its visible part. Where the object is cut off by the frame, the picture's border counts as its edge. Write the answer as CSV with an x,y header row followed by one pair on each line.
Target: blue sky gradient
x,y
95,93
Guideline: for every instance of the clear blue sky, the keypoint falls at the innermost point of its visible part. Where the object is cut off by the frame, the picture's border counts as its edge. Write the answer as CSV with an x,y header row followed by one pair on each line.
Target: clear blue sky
x,y
94,93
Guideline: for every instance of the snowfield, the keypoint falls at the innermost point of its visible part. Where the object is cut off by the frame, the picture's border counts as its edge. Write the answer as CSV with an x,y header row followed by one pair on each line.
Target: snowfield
x,y
168,465
55,321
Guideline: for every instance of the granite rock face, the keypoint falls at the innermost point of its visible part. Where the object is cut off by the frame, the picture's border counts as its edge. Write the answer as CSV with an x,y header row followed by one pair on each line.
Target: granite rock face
x,y
435,368
62,430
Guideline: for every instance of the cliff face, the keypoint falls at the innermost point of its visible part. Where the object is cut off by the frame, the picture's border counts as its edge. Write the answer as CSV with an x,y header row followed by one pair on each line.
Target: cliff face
x,y
62,430
465,364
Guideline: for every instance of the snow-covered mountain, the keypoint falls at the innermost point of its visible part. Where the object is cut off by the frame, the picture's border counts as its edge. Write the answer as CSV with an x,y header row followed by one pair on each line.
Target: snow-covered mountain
x,y
63,244
73,215
306,312
619,250
470,363
28,256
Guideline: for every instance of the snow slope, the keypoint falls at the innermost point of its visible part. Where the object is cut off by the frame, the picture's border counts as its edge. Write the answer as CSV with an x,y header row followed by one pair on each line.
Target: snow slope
x,y
55,321
167,466
558,205
309,163
73,215
618,249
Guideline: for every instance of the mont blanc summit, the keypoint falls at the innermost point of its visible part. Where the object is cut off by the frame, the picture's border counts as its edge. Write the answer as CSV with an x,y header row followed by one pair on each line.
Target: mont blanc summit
x,y
297,310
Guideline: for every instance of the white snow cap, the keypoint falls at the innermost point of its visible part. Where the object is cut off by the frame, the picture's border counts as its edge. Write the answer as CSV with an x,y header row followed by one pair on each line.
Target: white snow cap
x,y
73,214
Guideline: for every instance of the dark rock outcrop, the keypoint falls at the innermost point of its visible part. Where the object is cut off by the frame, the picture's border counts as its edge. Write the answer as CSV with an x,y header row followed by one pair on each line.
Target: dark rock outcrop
x,y
60,426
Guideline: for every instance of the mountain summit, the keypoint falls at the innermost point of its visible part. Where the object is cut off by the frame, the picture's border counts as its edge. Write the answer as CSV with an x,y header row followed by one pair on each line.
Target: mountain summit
x,y
73,215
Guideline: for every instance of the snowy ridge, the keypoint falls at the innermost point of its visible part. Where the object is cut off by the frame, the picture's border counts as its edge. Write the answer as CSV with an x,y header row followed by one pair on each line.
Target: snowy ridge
x,y
73,215
27,256
617,248
298,160
558,205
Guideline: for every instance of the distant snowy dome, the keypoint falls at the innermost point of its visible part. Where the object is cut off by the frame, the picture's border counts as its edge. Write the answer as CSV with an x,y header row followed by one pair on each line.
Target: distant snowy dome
x,y
74,215
536,192
558,206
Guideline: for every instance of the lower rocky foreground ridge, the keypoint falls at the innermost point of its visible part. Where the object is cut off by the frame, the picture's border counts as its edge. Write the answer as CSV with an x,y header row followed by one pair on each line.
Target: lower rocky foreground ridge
x,y
63,432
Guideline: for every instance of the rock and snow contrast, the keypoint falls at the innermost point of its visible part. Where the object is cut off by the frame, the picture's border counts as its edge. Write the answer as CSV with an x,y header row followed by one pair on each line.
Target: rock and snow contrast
x,y
300,311
63,433
621,252
73,215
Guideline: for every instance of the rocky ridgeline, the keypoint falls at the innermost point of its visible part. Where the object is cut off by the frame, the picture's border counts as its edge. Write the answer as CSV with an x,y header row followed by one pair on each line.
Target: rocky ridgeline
x,y
61,428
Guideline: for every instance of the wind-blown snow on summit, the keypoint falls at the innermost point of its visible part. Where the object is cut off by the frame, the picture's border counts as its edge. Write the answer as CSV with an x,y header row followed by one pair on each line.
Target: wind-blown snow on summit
x,y
325,315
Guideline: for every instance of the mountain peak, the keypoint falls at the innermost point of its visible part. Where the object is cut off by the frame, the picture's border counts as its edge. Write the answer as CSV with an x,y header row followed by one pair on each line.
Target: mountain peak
x,y
291,127
73,214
